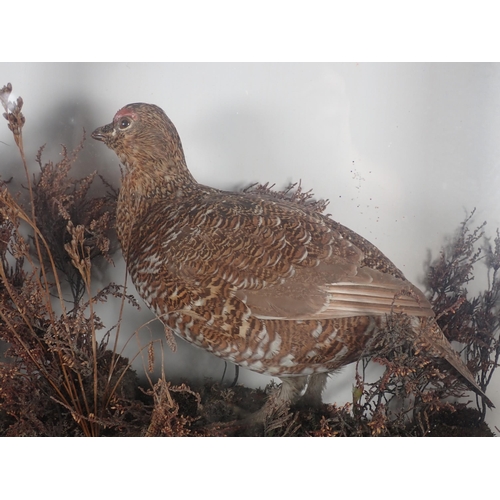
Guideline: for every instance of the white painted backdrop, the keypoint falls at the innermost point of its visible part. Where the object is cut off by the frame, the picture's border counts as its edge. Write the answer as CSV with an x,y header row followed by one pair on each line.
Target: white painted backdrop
x,y
402,151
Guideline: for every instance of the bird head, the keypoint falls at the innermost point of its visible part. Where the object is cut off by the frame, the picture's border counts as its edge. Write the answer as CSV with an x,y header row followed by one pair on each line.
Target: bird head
x,y
142,136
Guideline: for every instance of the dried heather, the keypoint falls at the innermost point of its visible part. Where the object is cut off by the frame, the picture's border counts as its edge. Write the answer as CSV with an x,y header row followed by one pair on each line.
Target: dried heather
x,y
64,205
65,377
61,380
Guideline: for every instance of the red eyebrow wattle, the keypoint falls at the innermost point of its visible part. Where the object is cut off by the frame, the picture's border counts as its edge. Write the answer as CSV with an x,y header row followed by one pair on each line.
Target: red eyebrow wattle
x,y
125,112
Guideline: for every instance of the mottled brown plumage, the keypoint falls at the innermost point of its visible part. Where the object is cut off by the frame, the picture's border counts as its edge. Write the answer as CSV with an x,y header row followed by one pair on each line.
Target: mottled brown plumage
x,y
263,282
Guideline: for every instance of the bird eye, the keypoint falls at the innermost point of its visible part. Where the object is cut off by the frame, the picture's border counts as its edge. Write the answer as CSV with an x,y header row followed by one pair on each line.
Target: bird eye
x,y
124,123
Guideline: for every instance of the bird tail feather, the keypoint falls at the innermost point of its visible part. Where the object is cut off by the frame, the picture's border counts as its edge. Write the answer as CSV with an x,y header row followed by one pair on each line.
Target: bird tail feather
x,y
438,345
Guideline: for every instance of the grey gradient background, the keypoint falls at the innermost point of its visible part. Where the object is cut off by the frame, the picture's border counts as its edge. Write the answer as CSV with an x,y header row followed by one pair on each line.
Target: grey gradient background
x,y
402,151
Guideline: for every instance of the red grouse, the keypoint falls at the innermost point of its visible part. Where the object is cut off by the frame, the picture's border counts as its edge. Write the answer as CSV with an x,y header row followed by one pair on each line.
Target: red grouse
x,y
259,281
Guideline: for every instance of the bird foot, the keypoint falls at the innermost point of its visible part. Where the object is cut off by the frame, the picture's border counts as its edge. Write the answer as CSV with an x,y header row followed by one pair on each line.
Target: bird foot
x,y
274,418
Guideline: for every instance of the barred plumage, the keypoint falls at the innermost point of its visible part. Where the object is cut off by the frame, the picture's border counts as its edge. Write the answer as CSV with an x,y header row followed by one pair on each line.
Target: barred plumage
x,y
263,282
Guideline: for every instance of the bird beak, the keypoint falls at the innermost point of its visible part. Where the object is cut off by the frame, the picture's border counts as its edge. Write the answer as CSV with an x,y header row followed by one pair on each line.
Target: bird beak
x,y
102,133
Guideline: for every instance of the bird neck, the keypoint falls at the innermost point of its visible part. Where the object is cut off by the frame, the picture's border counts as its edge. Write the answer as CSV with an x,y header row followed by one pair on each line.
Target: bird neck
x,y
159,179
142,189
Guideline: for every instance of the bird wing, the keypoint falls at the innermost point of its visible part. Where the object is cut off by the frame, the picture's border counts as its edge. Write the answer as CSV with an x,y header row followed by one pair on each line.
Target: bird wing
x,y
367,293
282,260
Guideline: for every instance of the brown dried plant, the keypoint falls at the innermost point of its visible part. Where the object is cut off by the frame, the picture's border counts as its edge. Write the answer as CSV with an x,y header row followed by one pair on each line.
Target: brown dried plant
x,y
64,207
473,321
416,389
417,395
63,379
